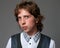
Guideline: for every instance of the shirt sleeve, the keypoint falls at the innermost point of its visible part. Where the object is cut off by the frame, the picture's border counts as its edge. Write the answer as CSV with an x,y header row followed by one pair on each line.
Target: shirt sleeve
x,y
9,43
52,44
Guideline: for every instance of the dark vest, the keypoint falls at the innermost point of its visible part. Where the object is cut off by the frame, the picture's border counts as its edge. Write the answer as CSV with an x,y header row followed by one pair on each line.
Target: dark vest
x,y
43,43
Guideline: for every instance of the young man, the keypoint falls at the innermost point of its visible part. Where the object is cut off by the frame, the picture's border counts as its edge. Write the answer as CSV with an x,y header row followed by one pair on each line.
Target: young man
x,y
30,20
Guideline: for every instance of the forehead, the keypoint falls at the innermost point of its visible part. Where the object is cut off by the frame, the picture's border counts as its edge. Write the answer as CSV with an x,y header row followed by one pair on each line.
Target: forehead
x,y
22,12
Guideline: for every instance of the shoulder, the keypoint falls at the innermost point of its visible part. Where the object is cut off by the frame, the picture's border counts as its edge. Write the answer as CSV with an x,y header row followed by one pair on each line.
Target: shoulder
x,y
9,43
15,35
12,38
45,36
52,43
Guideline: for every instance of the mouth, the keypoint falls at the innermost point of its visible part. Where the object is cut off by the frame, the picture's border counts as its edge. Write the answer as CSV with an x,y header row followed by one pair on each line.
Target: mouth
x,y
24,27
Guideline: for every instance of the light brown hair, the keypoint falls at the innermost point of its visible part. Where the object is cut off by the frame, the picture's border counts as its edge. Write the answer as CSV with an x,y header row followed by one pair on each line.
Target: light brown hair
x,y
33,9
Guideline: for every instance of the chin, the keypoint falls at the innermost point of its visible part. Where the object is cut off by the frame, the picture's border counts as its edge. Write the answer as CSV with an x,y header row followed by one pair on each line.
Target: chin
x,y
26,31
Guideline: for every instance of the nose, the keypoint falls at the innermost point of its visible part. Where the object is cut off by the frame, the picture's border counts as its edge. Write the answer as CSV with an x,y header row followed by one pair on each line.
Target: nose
x,y
23,22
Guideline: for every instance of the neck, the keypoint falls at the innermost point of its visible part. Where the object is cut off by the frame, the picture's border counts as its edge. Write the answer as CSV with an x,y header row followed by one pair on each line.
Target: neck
x,y
32,32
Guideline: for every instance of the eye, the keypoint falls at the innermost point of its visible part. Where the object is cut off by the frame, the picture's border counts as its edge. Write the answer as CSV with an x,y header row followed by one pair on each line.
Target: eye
x,y
19,18
26,17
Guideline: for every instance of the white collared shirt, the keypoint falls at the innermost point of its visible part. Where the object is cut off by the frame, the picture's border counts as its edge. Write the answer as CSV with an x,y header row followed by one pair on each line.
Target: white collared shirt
x,y
28,42
31,43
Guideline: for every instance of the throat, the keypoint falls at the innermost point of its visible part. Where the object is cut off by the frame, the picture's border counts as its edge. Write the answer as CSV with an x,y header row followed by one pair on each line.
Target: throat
x,y
32,32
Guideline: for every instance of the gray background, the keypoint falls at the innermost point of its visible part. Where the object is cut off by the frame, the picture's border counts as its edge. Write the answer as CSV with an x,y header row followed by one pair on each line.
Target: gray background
x,y
8,25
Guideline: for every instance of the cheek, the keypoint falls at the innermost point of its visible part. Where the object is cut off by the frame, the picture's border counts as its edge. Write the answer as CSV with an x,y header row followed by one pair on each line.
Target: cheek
x,y
19,23
31,22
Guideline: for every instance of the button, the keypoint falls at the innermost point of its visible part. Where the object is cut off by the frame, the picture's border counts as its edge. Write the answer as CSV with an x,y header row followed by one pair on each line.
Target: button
x,y
30,37
30,43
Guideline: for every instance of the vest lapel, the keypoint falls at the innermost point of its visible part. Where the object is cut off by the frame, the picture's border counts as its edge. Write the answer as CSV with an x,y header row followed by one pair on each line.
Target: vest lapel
x,y
16,41
44,42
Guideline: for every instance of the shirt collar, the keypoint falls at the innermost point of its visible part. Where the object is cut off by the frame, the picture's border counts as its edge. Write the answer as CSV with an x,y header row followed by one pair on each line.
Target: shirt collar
x,y
35,37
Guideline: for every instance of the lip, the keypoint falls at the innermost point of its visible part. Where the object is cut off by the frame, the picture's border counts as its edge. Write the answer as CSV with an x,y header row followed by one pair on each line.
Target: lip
x,y
24,27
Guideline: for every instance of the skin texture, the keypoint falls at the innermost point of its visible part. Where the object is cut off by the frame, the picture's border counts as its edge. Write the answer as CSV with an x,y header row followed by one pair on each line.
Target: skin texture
x,y
27,22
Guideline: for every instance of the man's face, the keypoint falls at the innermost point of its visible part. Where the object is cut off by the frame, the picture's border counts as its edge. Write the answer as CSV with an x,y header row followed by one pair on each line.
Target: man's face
x,y
26,21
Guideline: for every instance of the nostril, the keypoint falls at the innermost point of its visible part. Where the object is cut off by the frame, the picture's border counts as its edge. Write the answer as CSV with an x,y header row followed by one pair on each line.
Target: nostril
x,y
23,23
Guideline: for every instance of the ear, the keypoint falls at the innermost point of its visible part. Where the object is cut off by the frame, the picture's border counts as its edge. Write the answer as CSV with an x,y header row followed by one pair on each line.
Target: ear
x,y
37,20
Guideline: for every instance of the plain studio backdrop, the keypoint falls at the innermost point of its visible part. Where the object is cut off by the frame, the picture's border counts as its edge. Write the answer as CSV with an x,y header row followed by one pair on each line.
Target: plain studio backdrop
x,y
8,25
